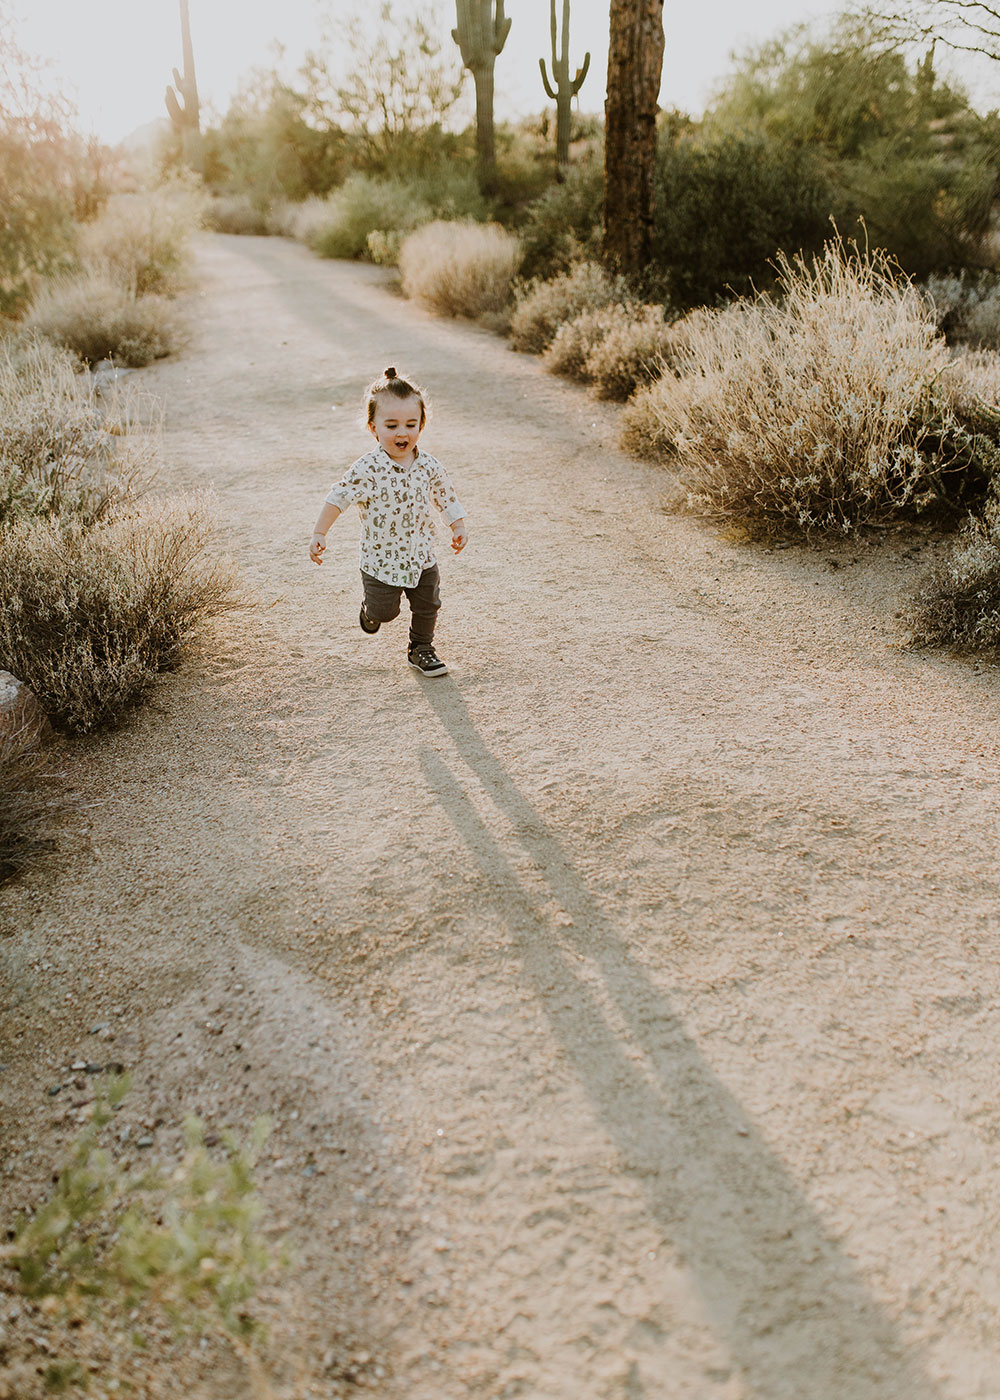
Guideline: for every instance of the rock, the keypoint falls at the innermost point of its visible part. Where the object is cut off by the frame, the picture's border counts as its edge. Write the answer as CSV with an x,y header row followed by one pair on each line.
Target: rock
x,y
20,712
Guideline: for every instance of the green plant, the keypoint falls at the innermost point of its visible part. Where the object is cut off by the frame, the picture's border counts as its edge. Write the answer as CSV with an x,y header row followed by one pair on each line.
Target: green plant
x,y
726,205
563,225
460,269
562,88
822,409
186,1244
542,307
95,613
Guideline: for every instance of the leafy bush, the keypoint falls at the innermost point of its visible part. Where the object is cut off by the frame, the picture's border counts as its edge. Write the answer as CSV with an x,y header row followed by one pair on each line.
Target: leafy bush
x,y
542,307
563,225
726,205
818,411
339,225
94,614
460,269
98,320
959,604
569,349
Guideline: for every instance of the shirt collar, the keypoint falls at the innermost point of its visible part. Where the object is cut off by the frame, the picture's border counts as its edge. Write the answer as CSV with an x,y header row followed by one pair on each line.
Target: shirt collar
x,y
385,460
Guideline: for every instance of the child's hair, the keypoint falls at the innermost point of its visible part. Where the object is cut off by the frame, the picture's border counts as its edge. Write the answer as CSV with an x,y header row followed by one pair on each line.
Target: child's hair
x,y
390,383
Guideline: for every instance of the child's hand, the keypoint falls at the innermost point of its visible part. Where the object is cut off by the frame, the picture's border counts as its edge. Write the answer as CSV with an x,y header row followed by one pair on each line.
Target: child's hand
x,y
459,535
316,547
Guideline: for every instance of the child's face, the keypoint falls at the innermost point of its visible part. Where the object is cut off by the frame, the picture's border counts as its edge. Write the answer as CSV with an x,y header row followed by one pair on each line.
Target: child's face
x,y
397,425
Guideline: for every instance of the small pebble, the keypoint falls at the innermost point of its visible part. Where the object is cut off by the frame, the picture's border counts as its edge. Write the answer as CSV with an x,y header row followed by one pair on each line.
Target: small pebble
x,y
144,1142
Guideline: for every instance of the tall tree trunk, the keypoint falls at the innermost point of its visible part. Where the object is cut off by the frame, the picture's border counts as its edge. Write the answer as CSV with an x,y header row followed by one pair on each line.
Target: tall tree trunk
x,y
635,62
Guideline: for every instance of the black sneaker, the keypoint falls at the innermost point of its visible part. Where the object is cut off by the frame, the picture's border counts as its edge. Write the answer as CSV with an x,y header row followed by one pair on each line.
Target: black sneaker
x,y
424,659
368,624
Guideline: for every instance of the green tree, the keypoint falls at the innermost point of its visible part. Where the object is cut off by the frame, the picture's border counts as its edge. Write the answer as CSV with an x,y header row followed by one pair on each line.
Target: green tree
x,y
398,89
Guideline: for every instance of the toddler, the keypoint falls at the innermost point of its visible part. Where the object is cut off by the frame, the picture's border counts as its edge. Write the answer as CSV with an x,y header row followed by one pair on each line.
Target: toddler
x,y
394,487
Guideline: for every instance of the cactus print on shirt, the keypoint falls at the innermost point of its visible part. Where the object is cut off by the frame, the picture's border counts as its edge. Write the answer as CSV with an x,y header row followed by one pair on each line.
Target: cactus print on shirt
x,y
394,501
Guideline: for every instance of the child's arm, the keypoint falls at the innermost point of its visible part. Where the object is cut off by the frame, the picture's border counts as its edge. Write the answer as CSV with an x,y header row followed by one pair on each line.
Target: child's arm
x,y
317,545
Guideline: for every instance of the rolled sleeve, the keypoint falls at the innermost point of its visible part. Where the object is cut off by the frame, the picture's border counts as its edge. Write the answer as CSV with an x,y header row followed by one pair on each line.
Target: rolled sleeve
x,y
349,490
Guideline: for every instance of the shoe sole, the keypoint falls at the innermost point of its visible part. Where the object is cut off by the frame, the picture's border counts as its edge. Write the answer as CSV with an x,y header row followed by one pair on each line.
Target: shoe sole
x,y
369,631
441,670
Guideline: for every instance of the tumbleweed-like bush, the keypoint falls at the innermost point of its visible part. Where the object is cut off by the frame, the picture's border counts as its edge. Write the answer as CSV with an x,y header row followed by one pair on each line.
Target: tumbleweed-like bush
x,y
817,409
62,451
542,307
93,614
460,269
958,605
99,320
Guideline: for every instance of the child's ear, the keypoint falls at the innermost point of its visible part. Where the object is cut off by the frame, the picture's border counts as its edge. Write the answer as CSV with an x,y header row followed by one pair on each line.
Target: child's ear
x,y
371,429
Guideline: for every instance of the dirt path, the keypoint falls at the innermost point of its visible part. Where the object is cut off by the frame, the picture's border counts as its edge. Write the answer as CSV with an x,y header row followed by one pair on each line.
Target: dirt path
x,y
628,1000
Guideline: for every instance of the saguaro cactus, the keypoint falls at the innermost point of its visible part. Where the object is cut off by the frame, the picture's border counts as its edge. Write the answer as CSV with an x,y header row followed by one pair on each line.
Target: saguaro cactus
x,y
480,35
563,88
182,98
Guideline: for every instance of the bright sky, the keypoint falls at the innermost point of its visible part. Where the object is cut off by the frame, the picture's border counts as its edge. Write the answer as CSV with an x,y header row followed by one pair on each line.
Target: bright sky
x,y
114,59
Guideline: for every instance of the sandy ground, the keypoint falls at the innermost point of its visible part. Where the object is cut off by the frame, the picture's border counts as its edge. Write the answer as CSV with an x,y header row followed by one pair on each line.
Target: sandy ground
x,y
628,1001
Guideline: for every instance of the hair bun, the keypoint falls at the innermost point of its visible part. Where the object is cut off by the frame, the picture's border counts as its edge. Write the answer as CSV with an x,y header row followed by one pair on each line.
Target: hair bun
x,y
391,372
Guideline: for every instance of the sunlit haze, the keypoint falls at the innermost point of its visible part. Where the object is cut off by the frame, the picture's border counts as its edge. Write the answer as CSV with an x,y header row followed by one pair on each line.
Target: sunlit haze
x,y
114,60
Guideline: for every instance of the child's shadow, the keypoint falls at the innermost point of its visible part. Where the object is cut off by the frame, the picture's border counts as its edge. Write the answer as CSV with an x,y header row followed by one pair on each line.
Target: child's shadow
x,y
782,1299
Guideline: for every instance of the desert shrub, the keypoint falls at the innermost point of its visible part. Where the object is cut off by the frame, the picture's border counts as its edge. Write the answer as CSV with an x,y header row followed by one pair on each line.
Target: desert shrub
x,y
93,614
237,213
569,349
98,319
460,269
631,353
645,431
25,782
563,225
818,410
966,307
339,225
140,242
542,307
958,605
361,204
61,451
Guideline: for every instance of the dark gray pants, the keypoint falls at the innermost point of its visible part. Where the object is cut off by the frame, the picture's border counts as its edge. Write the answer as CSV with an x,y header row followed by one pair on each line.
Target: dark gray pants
x,y
382,603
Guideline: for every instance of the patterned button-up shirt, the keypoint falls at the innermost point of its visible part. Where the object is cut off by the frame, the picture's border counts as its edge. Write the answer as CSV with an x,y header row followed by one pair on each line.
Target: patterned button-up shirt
x,y
394,501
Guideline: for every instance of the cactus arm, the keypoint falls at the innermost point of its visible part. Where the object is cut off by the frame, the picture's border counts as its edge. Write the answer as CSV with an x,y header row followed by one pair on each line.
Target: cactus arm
x,y
174,109
581,74
545,80
501,28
